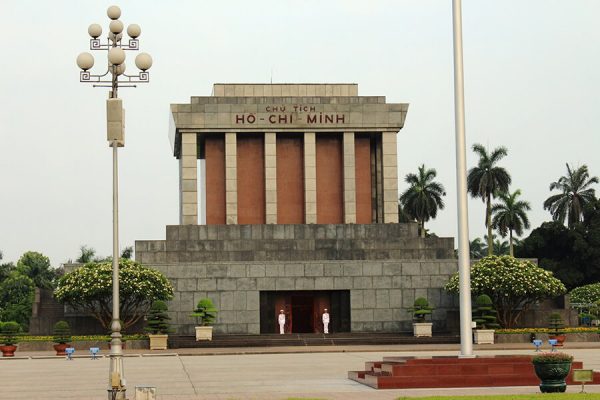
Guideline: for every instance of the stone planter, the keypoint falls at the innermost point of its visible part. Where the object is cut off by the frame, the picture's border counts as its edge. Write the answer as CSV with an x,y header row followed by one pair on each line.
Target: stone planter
x,y
560,339
552,376
158,342
422,329
204,333
60,349
483,336
8,350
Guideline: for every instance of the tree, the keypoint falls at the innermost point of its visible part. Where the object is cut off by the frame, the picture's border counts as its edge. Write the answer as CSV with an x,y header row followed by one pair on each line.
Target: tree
x,y
587,294
36,266
513,285
403,216
89,289
500,247
576,194
572,254
5,268
486,180
127,252
86,255
423,198
477,248
510,215
16,298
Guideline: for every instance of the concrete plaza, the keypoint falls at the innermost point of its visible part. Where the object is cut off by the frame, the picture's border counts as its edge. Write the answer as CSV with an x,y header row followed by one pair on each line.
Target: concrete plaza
x,y
270,373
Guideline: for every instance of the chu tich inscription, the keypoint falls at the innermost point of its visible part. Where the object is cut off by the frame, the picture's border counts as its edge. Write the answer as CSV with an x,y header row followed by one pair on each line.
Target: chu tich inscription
x,y
293,114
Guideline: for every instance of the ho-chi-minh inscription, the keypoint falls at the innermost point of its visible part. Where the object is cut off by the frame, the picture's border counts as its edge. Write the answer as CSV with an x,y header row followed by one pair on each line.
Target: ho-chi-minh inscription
x,y
255,107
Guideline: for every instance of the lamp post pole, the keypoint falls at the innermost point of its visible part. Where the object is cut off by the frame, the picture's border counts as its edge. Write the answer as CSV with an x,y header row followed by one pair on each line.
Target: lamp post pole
x,y
464,267
113,78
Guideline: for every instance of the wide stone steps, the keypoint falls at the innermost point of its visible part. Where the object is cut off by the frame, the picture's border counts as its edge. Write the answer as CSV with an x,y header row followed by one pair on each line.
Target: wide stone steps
x,y
446,372
338,339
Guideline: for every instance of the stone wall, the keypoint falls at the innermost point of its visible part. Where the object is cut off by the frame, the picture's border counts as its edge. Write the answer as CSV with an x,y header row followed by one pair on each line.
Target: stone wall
x,y
381,292
209,243
384,266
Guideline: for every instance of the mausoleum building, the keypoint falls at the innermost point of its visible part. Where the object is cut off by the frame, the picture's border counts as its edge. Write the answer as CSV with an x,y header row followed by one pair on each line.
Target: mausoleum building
x,y
289,200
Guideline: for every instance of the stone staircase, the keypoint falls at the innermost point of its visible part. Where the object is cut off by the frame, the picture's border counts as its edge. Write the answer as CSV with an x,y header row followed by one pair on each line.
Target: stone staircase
x,y
306,339
447,372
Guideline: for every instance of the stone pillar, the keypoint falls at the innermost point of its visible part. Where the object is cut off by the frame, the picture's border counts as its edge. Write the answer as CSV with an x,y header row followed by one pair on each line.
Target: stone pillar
x,y
390,177
310,178
349,179
230,178
270,178
188,180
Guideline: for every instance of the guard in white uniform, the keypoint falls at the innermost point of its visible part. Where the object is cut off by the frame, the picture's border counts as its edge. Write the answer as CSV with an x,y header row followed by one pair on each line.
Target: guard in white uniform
x,y
325,322
281,320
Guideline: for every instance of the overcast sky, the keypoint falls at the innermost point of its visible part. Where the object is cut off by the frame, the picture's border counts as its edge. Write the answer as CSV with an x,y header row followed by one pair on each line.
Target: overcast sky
x,y
532,85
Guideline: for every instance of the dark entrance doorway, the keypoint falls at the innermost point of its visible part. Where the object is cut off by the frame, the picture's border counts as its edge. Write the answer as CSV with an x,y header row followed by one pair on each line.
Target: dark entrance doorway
x,y
302,314
303,310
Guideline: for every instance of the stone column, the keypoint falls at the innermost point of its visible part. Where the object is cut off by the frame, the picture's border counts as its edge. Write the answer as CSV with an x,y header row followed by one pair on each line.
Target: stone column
x,y
230,178
270,178
188,180
310,178
349,179
390,177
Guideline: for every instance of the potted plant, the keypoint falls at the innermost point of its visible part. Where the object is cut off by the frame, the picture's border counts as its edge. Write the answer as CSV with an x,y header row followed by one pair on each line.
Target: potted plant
x,y
552,369
158,325
484,316
205,314
421,309
9,331
555,325
62,336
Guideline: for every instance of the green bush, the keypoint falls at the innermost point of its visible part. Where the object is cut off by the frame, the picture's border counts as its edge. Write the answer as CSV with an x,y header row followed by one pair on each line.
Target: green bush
x,y
158,319
62,332
205,312
9,331
421,309
484,314
512,284
551,358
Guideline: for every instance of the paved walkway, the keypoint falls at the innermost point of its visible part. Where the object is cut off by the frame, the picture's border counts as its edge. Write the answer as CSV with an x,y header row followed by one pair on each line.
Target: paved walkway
x,y
317,372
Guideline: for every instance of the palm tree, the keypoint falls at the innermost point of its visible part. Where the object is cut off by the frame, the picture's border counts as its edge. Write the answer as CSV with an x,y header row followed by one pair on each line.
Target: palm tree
x,y
576,194
476,248
423,198
510,215
500,247
86,254
486,180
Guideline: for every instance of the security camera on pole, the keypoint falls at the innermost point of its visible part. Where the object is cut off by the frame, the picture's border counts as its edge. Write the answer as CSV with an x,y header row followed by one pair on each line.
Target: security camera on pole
x,y
113,78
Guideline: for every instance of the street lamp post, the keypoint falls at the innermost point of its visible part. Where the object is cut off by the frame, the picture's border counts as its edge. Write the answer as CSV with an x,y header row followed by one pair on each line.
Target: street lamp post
x,y
115,77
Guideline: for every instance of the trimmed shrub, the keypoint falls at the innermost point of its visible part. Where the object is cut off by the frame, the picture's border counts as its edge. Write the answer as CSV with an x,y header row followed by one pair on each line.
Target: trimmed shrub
x,y
421,309
158,319
205,312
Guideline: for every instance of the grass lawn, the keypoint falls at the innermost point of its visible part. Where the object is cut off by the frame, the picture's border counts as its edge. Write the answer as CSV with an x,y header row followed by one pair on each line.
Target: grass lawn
x,y
541,396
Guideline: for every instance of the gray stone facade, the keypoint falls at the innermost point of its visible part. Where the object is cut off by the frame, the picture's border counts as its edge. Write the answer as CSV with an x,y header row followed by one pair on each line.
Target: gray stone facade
x,y
384,266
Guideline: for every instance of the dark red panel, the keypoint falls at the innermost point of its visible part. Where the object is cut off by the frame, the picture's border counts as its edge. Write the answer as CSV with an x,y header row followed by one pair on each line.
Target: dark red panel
x,y
251,179
330,179
290,179
214,150
362,149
